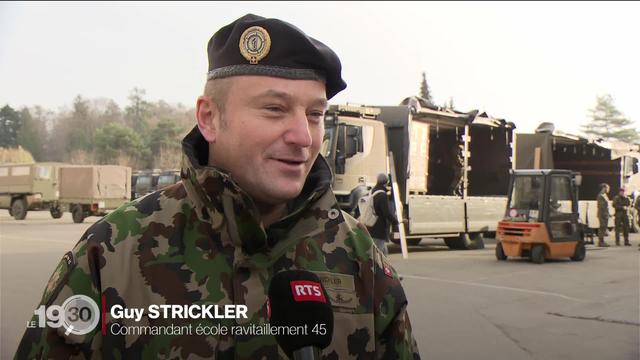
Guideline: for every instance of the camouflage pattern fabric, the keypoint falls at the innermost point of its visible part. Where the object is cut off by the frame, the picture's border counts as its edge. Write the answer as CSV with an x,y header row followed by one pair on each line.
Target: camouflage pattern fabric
x,y
621,205
200,242
603,214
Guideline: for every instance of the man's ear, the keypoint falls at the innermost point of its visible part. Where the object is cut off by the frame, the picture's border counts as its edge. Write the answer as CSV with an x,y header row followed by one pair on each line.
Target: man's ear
x,y
207,114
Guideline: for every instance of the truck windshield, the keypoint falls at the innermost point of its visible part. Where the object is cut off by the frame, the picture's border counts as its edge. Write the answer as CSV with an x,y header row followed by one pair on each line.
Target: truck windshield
x,y
527,193
166,180
144,180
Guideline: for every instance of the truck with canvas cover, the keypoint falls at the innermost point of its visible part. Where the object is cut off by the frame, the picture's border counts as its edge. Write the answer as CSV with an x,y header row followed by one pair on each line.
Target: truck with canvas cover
x,y
614,163
451,168
92,190
25,187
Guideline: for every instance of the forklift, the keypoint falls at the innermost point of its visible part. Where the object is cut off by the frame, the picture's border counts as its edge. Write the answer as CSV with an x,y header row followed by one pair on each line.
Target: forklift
x,y
541,220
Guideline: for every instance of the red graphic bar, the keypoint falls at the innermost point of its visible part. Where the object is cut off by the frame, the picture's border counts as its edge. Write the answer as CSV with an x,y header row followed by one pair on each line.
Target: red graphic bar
x,y
104,314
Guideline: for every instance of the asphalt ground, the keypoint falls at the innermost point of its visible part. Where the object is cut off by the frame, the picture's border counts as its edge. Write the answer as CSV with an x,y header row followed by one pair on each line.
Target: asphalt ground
x,y
462,304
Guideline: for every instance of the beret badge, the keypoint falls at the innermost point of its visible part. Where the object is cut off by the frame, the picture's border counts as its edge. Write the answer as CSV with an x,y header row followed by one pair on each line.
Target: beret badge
x,y
255,44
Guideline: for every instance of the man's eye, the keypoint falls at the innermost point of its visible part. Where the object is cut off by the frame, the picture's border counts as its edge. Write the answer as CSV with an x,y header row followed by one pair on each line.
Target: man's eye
x,y
275,109
316,115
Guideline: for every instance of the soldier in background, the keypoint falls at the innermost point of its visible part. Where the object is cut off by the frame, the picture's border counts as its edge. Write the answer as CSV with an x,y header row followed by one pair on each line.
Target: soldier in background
x,y
621,205
603,214
255,199
637,206
386,217
457,165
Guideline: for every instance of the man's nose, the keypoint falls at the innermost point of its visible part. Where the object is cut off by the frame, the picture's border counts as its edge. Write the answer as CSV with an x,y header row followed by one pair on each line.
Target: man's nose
x,y
297,132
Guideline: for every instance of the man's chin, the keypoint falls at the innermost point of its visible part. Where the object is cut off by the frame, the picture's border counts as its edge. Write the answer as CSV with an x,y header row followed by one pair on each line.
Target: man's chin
x,y
284,192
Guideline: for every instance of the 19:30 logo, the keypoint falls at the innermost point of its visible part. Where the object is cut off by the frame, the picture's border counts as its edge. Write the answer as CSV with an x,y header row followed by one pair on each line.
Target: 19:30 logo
x,y
79,315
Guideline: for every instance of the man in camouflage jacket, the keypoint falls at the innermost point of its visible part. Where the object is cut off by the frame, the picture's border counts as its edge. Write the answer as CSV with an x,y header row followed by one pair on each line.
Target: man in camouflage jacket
x,y
603,214
220,235
621,205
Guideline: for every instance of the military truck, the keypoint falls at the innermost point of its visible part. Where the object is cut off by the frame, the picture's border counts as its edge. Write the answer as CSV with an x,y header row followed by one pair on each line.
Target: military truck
x,y
167,178
146,182
614,163
451,168
25,187
92,190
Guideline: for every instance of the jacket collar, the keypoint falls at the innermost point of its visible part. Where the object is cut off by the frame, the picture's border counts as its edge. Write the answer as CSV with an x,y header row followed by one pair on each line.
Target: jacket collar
x,y
218,199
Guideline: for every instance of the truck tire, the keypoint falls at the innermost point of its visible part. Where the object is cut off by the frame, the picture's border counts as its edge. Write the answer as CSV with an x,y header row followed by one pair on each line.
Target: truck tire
x,y
56,213
455,242
77,213
477,241
414,242
634,219
580,252
537,254
500,252
19,209
465,241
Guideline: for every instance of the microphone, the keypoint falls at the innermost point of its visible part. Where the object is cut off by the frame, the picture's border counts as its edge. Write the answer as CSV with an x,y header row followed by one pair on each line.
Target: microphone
x,y
297,298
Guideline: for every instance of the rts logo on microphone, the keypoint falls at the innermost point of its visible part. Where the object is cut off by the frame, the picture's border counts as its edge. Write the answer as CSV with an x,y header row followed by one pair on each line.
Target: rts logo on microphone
x,y
305,290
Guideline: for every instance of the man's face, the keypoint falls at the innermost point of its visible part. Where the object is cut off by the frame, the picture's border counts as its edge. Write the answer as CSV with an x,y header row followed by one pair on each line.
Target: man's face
x,y
269,135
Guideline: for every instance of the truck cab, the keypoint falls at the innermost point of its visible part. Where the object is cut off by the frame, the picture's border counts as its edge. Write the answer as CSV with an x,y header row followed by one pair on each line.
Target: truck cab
x,y
355,146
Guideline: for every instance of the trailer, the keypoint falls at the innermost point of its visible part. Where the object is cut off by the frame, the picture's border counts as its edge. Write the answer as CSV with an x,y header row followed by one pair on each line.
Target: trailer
x,y
451,168
92,190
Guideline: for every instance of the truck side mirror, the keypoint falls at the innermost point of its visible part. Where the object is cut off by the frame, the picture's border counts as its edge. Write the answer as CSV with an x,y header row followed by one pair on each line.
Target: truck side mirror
x,y
353,143
578,180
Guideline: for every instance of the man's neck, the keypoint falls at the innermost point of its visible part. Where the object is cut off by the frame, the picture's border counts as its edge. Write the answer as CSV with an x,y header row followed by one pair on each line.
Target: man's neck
x,y
271,213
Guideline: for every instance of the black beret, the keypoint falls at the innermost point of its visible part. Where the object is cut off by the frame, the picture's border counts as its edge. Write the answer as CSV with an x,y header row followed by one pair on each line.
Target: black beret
x,y
253,45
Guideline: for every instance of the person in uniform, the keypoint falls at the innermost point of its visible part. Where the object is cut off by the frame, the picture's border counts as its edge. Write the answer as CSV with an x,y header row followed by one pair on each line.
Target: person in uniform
x,y
621,205
380,230
603,214
457,166
255,199
637,206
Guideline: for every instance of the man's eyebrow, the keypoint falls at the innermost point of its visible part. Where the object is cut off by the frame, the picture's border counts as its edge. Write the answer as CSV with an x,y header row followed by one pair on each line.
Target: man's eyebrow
x,y
320,101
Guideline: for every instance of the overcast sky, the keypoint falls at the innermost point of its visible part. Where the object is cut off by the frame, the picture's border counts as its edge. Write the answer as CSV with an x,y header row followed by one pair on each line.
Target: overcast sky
x,y
524,62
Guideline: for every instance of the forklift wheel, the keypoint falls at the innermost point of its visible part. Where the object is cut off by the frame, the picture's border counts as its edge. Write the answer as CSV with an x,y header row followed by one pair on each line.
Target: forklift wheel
x,y
500,252
537,254
580,252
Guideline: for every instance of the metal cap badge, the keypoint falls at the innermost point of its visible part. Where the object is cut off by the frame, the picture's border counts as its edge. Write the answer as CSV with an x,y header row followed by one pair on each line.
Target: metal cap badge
x,y
255,44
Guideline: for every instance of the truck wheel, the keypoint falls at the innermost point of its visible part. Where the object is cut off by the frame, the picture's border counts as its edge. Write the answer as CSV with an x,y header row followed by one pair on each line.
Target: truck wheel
x,y
477,241
414,242
459,242
580,252
465,241
77,213
634,221
19,209
500,252
56,213
537,254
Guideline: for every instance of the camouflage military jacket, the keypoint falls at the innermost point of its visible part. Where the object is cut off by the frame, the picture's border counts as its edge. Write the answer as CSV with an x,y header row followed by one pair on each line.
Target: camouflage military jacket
x,y
621,203
201,242
603,206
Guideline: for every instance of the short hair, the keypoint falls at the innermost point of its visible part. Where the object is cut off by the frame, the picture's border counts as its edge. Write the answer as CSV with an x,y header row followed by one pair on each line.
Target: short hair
x,y
217,90
382,179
